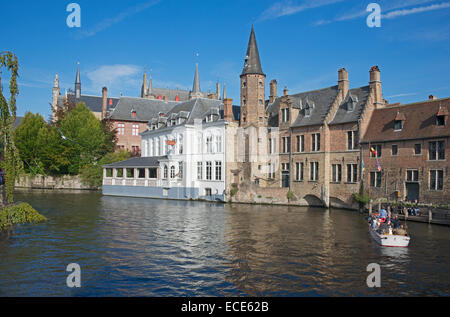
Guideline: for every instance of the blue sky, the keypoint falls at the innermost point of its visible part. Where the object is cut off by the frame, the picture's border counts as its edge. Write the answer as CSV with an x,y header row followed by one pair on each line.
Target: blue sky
x,y
302,44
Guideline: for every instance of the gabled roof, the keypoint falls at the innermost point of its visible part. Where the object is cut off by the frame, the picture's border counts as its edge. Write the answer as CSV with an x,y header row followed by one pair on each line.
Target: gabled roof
x,y
146,109
321,100
420,122
170,93
94,103
197,108
359,98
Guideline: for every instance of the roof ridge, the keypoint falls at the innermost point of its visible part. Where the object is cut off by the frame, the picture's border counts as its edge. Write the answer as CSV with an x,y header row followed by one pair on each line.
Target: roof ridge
x,y
400,105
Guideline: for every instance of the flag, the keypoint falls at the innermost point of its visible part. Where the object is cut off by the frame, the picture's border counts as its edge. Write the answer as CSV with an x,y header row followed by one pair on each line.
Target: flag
x,y
373,151
378,166
363,169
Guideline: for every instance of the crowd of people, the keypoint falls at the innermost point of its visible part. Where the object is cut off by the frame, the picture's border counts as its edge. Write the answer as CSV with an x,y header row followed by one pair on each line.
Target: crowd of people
x,y
385,224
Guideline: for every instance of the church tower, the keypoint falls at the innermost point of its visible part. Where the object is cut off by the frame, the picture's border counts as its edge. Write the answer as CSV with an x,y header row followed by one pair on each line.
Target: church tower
x,y
196,92
253,87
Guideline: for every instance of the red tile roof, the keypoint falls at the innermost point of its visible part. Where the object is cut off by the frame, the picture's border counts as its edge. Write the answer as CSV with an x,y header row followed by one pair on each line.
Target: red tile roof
x,y
419,122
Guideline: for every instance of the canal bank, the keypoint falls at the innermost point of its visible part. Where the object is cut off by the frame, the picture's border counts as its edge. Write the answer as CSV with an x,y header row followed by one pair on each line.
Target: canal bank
x,y
145,247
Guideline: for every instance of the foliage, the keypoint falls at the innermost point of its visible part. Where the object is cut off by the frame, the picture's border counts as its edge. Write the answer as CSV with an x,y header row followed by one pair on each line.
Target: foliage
x,y
26,137
361,198
76,140
19,214
92,174
11,163
234,191
290,195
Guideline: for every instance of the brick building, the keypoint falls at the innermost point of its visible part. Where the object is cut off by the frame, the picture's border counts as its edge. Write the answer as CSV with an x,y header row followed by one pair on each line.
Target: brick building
x,y
412,146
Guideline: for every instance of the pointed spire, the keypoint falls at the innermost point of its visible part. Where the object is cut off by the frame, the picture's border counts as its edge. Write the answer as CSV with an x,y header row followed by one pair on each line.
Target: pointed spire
x,y
252,63
196,86
78,83
56,81
144,86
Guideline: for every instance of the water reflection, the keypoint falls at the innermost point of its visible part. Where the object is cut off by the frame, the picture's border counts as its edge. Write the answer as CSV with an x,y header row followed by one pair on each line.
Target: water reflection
x,y
143,247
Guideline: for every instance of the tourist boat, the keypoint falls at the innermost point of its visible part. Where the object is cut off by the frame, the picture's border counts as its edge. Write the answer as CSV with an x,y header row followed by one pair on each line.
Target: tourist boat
x,y
389,239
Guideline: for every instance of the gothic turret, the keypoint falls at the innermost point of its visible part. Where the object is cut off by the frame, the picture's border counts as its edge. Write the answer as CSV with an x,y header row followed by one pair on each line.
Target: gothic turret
x,y
144,86
196,92
55,94
252,87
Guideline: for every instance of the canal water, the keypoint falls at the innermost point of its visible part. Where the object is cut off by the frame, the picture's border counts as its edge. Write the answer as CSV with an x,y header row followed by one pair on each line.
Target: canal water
x,y
144,247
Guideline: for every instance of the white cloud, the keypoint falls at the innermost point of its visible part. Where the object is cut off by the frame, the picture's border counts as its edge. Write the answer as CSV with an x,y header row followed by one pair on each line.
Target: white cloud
x,y
288,7
114,77
400,13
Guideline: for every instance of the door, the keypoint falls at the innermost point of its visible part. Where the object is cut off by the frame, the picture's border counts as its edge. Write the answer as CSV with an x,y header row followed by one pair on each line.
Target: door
x,y
285,179
412,191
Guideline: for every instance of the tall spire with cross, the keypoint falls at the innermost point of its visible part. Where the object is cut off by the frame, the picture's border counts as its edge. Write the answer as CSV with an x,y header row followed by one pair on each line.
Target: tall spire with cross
x,y
196,92
78,83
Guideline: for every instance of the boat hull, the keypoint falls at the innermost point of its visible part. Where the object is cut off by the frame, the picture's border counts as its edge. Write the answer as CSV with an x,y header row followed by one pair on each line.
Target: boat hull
x,y
390,240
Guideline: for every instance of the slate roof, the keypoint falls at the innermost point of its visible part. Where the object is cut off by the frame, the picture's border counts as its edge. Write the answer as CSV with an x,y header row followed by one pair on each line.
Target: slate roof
x,y
252,62
137,162
359,96
170,93
197,108
146,109
92,102
420,122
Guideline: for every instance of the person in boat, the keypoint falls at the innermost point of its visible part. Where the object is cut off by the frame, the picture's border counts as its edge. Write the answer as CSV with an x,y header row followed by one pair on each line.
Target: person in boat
x,y
383,215
395,222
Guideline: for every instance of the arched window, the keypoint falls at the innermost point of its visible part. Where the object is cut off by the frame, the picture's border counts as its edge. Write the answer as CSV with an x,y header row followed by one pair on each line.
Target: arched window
x,y
166,172
172,171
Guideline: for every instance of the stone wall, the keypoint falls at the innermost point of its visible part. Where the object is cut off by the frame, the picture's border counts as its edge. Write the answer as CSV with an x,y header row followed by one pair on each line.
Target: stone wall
x,y
50,182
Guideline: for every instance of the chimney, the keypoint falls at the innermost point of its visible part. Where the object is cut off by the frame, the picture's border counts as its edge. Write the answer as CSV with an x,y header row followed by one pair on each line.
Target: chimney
x,y
273,90
285,91
228,109
104,102
375,86
343,83
432,97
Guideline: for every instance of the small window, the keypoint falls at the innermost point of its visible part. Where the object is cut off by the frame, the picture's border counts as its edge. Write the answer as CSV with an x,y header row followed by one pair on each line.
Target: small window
x,y
119,173
141,172
337,173
375,151
130,172
398,125
395,150
208,192
440,120
152,173
375,179
417,149
412,175
307,111
109,172
436,180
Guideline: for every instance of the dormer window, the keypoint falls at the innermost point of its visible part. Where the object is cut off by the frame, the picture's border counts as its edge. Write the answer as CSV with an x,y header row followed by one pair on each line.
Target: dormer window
x,y
307,111
133,113
441,116
398,121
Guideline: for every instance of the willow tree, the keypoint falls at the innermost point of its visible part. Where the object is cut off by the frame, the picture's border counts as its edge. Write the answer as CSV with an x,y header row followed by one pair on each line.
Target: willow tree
x,y
11,162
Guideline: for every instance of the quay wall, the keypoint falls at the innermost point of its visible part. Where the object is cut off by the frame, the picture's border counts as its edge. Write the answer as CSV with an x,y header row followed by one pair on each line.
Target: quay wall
x,y
52,182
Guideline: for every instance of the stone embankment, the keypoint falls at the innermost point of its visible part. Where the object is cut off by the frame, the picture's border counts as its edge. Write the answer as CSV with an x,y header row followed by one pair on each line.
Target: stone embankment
x,y
51,182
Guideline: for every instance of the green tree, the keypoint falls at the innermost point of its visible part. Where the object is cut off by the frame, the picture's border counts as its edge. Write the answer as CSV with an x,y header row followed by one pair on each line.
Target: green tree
x,y
11,162
84,138
26,139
